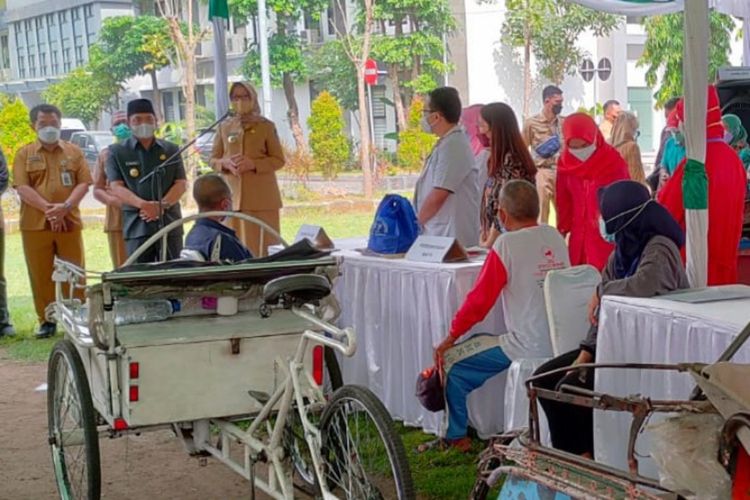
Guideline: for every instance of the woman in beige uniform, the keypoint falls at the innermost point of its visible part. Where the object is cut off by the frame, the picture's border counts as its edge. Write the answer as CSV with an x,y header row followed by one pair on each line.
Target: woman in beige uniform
x,y
248,153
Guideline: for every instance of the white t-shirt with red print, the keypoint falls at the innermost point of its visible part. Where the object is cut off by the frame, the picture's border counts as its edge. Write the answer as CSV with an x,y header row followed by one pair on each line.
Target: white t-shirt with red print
x,y
516,267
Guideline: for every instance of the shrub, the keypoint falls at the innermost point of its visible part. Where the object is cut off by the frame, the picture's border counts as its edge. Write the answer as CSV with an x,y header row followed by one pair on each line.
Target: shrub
x,y
328,142
298,164
15,129
414,144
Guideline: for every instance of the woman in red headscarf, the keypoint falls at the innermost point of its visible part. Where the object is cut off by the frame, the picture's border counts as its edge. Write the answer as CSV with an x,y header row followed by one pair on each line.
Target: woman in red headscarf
x,y
586,164
726,196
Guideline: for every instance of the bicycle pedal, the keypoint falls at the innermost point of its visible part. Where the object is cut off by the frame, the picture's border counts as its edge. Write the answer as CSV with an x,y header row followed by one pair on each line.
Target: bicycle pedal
x,y
260,396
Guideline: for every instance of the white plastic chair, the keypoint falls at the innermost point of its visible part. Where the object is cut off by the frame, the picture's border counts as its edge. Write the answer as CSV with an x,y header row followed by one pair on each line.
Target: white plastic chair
x,y
566,296
567,293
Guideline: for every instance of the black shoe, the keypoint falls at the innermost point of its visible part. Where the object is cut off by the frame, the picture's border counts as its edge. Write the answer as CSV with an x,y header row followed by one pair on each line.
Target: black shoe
x,y
7,330
46,330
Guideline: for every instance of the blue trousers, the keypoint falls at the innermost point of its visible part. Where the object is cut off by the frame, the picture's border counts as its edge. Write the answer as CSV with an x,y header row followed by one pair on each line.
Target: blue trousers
x,y
465,376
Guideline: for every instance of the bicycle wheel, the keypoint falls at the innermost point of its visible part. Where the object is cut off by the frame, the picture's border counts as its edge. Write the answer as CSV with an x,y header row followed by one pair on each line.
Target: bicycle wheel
x,y
296,445
363,456
73,437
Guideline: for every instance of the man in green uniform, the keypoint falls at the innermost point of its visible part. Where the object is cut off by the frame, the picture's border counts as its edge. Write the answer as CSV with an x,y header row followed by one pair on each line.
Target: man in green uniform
x,y
128,163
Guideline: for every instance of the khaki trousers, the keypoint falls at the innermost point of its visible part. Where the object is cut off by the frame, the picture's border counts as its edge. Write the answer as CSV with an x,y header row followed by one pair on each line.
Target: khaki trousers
x,y
545,187
40,249
116,248
249,233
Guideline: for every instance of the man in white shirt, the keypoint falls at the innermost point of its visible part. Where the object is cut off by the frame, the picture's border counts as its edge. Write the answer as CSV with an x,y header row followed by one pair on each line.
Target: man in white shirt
x,y
514,271
446,197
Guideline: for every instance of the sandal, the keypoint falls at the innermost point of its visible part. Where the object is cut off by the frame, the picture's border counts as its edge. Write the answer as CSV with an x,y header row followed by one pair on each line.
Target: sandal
x,y
462,445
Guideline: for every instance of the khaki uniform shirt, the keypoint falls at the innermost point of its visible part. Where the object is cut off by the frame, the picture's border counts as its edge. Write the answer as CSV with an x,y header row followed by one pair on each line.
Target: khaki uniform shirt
x,y
113,214
538,129
54,175
253,191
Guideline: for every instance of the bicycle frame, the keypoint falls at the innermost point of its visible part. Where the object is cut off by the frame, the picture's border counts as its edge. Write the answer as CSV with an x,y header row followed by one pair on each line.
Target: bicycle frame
x,y
278,484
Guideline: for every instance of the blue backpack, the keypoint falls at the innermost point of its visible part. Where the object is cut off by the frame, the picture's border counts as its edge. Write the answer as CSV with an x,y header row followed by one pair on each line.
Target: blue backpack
x,y
395,226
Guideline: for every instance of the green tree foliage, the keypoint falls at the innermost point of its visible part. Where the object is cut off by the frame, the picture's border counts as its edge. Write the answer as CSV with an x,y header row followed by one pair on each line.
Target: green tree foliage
x,y
552,27
414,53
414,144
330,68
285,50
82,94
663,51
327,139
15,128
128,46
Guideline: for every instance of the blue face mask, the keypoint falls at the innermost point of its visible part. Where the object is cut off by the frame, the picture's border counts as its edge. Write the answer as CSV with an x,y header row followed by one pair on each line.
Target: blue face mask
x,y
609,238
121,132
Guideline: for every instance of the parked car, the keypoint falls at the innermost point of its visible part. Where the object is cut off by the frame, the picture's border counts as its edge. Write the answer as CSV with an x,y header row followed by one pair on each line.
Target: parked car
x,y
205,145
92,143
70,126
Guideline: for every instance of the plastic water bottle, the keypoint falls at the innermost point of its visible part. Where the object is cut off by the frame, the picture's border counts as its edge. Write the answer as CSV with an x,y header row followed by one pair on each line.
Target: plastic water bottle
x,y
131,311
195,306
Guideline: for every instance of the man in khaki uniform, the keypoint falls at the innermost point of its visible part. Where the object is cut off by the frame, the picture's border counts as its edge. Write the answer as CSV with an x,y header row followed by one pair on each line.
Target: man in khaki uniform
x,y
103,193
51,177
539,132
247,151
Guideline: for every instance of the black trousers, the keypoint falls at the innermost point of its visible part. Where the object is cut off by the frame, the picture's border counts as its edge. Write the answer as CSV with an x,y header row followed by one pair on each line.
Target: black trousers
x,y
571,427
153,254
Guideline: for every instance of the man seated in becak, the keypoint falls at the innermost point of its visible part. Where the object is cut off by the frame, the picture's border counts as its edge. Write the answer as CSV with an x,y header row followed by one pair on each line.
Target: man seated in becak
x,y
209,237
514,270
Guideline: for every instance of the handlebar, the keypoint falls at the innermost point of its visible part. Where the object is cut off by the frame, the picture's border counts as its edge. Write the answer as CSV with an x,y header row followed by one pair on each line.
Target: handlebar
x,y
347,348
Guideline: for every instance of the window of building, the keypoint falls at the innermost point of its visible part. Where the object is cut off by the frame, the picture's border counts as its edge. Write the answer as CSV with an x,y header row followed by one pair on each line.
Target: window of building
x,y
379,114
75,13
4,51
21,66
32,65
55,63
63,16
88,11
79,56
50,19
43,64
66,55
169,111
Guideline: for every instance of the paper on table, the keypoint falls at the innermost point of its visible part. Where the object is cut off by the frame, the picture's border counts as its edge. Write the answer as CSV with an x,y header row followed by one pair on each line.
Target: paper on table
x,y
710,294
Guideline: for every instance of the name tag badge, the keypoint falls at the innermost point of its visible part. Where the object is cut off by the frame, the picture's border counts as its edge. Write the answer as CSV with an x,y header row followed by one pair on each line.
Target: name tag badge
x,y
133,169
67,178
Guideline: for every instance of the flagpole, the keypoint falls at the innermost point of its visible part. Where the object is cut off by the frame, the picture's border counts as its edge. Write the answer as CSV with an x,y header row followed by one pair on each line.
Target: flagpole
x,y
265,71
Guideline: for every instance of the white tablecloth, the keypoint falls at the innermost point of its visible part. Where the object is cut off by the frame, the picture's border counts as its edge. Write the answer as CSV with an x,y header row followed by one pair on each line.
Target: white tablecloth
x,y
656,331
400,311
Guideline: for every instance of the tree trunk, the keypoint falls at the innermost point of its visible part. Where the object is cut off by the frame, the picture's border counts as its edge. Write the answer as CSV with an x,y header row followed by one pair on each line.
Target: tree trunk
x,y
398,100
365,148
293,114
157,96
526,70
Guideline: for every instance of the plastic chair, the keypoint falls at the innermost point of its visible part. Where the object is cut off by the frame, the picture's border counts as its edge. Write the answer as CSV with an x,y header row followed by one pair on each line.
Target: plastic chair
x,y
567,293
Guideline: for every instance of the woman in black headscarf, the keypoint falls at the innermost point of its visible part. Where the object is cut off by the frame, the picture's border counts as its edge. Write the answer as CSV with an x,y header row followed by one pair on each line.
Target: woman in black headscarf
x,y
646,263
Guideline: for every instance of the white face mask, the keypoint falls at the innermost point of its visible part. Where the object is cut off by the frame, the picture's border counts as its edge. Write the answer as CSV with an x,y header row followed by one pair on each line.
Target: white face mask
x,y
48,135
144,130
583,153
425,124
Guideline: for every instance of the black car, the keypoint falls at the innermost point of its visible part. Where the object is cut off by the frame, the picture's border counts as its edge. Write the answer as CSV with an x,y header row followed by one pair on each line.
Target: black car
x,y
92,143
205,145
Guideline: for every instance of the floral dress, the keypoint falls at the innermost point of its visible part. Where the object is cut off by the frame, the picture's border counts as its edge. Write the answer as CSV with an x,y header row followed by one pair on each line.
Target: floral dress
x,y
510,170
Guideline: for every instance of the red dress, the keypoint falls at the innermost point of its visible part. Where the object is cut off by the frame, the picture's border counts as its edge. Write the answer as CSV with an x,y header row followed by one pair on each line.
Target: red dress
x,y
576,193
726,197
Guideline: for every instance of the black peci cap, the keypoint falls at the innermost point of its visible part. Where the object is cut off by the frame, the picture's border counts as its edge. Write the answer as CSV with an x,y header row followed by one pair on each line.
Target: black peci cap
x,y
140,106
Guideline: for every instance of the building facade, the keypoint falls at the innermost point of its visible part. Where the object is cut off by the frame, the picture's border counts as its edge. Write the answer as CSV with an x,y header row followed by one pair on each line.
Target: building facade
x,y
46,40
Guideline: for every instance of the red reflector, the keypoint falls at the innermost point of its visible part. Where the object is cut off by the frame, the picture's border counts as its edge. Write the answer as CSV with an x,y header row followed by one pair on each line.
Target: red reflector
x,y
120,424
317,368
134,370
133,393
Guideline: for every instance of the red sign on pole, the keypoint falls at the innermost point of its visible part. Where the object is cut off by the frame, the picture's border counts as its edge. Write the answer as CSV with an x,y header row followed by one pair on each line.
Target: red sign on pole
x,y
371,72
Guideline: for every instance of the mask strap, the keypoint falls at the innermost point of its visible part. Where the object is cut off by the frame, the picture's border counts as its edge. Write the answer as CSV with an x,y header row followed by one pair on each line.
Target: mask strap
x,y
638,209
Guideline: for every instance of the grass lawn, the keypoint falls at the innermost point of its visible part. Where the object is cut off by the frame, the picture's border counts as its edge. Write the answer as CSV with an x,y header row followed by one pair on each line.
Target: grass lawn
x,y
437,474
